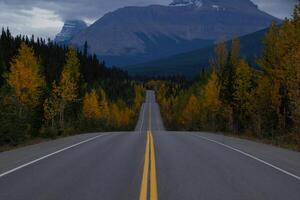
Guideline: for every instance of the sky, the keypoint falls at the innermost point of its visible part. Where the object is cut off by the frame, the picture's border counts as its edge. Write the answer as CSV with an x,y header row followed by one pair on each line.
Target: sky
x,y
45,18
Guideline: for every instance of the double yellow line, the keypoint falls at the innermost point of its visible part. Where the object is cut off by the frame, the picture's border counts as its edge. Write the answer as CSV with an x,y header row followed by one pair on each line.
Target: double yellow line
x,y
149,162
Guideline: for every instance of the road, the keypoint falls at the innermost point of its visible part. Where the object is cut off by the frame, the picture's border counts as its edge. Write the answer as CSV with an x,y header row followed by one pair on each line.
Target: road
x,y
150,163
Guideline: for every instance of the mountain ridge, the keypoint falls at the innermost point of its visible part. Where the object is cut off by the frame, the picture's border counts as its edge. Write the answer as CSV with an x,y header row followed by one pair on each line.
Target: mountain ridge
x,y
116,37
190,63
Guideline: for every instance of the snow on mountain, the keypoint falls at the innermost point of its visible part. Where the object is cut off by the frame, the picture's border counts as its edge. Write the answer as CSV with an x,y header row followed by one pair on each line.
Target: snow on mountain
x,y
197,3
136,34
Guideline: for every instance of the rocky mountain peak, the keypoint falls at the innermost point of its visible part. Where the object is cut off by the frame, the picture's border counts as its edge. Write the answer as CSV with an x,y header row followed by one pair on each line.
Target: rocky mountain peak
x,y
69,30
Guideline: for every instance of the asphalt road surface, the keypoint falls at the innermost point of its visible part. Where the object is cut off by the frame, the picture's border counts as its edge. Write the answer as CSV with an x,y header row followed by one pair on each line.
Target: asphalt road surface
x,y
150,163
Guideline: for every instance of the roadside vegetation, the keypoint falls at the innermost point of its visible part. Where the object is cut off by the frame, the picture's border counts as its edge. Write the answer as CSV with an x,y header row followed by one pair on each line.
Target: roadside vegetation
x,y
49,91
260,102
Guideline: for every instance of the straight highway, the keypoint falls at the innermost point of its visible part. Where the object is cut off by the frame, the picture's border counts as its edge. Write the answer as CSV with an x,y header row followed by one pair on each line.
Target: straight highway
x,y
150,163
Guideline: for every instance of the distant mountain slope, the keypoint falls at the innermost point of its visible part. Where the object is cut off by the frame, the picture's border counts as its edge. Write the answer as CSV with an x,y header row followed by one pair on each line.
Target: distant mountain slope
x,y
189,64
133,35
69,30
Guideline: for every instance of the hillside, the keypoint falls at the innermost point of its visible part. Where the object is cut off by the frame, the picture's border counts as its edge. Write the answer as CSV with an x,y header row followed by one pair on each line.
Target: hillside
x,y
190,63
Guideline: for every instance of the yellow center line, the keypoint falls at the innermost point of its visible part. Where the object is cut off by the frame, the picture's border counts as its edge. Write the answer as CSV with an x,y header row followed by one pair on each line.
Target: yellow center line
x,y
153,179
144,185
149,162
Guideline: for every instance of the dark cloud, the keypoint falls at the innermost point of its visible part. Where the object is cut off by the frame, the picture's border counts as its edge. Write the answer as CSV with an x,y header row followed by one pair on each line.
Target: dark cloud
x,y
45,17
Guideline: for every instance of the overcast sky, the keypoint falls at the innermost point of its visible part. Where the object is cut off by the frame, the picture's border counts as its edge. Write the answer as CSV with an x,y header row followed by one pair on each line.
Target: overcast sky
x,y
45,18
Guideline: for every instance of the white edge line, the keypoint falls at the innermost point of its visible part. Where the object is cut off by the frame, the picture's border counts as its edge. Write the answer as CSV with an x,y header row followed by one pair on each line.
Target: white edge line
x,y
51,154
250,156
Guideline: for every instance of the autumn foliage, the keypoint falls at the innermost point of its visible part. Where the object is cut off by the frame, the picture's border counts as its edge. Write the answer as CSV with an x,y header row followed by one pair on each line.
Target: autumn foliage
x,y
233,97
25,78
31,105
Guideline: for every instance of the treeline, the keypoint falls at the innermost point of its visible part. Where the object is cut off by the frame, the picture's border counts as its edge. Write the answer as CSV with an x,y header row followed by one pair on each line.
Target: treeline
x,y
49,90
237,98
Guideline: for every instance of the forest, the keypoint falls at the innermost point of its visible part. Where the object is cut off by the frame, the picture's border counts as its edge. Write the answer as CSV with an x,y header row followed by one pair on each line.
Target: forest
x,y
259,102
49,91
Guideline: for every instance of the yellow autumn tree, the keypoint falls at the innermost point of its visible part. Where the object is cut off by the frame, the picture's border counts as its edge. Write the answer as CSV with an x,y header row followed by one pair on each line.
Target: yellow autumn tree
x,y
280,62
293,77
126,114
138,99
263,114
242,99
52,106
219,61
114,117
25,78
91,108
294,94
189,114
211,101
65,92
68,85
104,107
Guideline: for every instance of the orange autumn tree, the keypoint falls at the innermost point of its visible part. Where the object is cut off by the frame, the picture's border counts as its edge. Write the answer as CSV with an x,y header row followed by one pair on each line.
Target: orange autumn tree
x,y
25,79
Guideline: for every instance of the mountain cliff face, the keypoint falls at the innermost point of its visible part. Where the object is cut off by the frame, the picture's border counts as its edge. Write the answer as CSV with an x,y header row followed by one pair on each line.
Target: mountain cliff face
x,y
69,30
137,34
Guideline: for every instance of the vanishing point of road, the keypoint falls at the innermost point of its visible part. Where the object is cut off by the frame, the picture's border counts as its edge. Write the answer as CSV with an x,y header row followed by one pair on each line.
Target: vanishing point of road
x,y
150,163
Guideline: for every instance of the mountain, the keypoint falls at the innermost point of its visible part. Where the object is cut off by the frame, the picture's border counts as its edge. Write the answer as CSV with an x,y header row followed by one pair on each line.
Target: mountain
x,y
69,30
133,35
189,64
